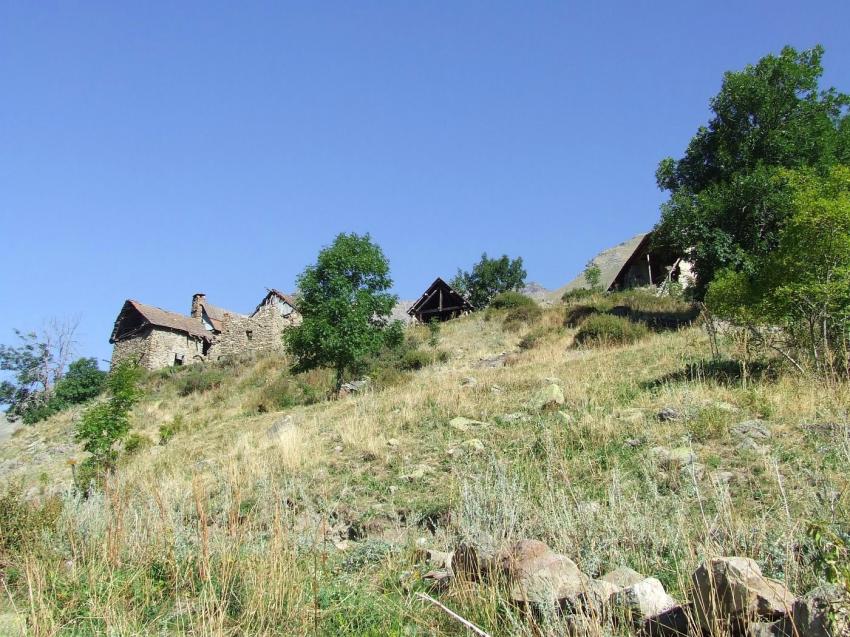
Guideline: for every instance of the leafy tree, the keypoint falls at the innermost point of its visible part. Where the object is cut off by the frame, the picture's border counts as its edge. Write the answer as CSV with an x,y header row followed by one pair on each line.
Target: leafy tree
x,y
83,381
803,286
593,276
726,205
488,278
345,306
107,422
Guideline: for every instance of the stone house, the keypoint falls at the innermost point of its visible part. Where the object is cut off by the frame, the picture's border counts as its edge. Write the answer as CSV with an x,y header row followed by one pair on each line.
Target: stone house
x,y
157,338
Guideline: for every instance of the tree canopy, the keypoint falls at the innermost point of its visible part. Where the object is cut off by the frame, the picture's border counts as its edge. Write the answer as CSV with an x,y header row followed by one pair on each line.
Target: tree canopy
x,y
345,306
488,278
728,199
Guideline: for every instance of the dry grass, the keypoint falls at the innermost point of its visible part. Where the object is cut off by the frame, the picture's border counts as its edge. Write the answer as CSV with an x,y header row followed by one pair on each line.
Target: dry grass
x,y
226,530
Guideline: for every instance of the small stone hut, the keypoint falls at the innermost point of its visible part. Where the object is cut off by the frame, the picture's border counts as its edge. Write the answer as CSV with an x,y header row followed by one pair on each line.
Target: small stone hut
x,y
157,338
441,302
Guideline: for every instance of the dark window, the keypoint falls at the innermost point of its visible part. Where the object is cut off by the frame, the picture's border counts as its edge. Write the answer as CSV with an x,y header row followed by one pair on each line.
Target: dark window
x,y
249,334
178,359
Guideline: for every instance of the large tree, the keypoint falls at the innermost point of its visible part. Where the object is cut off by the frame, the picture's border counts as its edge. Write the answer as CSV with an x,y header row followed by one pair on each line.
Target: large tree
x,y
345,305
727,201
488,278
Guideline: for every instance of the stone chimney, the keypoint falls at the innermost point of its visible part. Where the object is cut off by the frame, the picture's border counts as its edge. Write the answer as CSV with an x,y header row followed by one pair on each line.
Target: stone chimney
x,y
197,301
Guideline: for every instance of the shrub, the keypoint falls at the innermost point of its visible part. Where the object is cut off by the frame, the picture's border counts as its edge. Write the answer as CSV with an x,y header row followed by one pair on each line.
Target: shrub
x,y
135,443
532,339
417,359
199,379
522,313
512,299
575,315
22,522
605,329
83,381
170,429
578,294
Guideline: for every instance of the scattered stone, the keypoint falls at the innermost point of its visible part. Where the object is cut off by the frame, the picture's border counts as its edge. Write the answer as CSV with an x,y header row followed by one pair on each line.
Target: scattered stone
x,y
673,458
778,628
722,477
668,413
633,442
493,361
565,417
753,429
469,381
465,424
417,472
623,577
392,442
643,600
539,577
514,417
593,601
473,445
472,563
551,397
354,386
437,580
496,389
280,426
815,616
437,559
733,590
675,622
338,448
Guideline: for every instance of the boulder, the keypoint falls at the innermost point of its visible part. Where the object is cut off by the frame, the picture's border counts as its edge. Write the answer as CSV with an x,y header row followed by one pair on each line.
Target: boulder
x,y
538,576
469,381
674,622
753,429
280,426
473,445
622,577
814,616
551,397
675,458
593,600
643,600
465,424
730,591
493,361
668,413
472,563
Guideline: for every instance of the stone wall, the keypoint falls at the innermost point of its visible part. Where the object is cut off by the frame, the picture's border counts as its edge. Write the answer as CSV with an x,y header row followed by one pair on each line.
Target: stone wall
x,y
243,334
158,348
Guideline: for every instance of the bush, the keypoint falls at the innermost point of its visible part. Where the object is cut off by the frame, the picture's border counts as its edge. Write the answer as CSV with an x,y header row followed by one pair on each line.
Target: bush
x,y
507,300
525,313
533,338
170,429
417,359
199,379
135,443
605,329
83,381
22,522
578,294
575,315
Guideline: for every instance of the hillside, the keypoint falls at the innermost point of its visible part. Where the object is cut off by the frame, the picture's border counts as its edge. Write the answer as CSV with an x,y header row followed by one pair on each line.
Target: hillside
x,y
241,518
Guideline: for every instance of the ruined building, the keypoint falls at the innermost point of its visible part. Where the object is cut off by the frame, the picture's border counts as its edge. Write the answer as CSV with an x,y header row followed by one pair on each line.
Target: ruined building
x,y
157,338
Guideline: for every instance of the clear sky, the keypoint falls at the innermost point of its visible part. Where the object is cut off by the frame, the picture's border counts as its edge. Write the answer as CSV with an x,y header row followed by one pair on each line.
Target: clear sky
x,y
150,150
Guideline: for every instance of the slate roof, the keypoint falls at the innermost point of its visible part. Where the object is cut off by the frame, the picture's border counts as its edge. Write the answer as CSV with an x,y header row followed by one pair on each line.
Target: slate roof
x,y
158,317
610,261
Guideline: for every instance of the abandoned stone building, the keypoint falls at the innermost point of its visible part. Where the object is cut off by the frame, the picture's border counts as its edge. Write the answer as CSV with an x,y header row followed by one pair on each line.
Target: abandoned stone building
x,y
157,338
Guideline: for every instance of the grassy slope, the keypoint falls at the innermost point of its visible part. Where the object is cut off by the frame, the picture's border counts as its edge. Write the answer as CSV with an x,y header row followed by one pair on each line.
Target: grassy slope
x,y
229,530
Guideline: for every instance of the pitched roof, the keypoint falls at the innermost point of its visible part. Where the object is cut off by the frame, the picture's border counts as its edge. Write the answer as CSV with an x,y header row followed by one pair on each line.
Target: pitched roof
x,y
286,298
610,261
438,282
159,318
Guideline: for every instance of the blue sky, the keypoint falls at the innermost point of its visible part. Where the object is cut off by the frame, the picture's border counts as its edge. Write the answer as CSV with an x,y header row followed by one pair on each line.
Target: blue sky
x,y
152,150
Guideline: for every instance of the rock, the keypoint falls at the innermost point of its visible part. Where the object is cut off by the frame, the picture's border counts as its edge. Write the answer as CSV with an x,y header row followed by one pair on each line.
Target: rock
x,y
280,426
493,361
540,577
673,458
812,613
778,628
722,477
514,417
437,559
643,600
469,381
675,622
551,397
668,413
354,386
417,472
593,601
633,442
622,577
465,424
496,389
732,591
437,580
473,445
338,449
753,429
392,442
472,563
565,418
